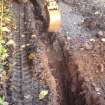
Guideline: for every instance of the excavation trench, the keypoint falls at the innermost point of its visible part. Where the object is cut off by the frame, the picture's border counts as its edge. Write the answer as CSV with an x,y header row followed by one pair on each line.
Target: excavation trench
x,y
66,72
50,67
46,61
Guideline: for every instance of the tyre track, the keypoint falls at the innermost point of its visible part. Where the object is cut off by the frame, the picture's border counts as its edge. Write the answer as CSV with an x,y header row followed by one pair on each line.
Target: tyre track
x,y
29,78
21,76
24,88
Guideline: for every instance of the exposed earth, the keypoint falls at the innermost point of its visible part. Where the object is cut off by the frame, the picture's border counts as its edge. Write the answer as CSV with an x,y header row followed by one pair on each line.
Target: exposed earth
x,y
70,65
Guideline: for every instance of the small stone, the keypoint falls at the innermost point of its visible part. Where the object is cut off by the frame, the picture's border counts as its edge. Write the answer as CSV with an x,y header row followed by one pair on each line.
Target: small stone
x,y
98,93
28,44
88,46
23,46
96,71
25,1
33,36
67,32
97,13
93,84
100,33
74,23
102,68
92,40
27,96
82,21
103,39
0,75
97,89
68,38
11,42
22,36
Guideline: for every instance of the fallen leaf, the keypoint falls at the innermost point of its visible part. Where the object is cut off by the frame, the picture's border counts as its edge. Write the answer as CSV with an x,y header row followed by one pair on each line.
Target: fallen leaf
x,y
43,94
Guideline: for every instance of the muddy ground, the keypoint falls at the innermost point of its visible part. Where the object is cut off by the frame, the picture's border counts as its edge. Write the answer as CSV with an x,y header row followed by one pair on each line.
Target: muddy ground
x,y
83,23
69,64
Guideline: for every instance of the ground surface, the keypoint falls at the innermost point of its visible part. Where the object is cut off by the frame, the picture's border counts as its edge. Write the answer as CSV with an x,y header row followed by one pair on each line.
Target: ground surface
x,y
83,23
70,65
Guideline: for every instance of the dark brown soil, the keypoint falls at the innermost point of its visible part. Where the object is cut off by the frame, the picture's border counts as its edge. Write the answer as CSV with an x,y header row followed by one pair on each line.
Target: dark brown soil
x,y
72,76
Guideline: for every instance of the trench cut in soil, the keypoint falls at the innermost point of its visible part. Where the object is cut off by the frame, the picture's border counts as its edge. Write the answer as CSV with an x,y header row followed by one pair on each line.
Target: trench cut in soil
x,y
54,66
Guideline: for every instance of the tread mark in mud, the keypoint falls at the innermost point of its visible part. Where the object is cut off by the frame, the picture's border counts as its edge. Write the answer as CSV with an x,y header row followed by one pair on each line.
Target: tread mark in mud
x,y
21,76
